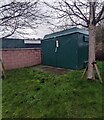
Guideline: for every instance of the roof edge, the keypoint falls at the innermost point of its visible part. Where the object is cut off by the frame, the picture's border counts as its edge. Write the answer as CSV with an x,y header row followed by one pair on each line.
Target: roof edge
x,y
65,32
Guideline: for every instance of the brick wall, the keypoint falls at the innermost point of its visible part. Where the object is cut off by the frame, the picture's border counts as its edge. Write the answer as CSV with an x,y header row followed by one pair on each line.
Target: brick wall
x,y
19,58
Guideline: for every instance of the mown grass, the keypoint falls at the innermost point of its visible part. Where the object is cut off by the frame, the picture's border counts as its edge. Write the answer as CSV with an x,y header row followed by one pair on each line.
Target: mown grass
x,y
28,93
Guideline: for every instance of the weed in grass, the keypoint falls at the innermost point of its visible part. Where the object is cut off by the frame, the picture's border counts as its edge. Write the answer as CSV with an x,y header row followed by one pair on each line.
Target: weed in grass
x,y
38,94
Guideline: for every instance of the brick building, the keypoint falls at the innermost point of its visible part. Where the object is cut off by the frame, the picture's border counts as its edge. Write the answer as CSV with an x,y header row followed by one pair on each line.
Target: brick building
x,y
15,54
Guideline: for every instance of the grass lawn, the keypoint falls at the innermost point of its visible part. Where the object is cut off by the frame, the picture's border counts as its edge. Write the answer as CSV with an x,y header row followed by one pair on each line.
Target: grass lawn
x,y
31,93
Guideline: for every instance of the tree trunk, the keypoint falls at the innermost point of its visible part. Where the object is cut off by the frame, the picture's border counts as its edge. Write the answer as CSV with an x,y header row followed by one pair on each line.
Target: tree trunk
x,y
91,57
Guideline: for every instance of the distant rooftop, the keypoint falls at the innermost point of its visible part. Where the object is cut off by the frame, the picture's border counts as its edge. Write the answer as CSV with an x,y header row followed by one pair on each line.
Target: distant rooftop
x,y
29,39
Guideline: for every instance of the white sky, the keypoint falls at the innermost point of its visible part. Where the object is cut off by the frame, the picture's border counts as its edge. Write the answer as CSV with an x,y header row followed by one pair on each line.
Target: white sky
x,y
42,30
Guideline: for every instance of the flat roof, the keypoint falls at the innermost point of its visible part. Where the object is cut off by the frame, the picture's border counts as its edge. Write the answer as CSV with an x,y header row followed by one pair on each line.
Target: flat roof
x,y
66,32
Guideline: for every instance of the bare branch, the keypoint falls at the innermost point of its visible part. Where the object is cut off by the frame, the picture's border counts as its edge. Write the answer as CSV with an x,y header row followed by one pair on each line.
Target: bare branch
x,y
80,12
76,22
74,12
20,14
100,15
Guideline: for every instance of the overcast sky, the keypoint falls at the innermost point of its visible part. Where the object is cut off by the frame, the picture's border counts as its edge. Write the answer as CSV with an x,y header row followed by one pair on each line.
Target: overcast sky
x,y
41,31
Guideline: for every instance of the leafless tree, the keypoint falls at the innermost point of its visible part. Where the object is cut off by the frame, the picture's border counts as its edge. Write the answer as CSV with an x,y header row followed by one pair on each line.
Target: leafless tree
x,y
16,16
86,13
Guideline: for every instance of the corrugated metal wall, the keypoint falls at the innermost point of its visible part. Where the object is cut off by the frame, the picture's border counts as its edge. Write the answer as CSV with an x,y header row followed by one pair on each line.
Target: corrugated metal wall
x,y
12,43
17,43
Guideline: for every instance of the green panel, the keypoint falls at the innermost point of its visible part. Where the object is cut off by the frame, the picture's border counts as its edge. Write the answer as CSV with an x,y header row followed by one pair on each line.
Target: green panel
x,y
66,54
12,43
48,52
67,51
71,53
0,43
82,50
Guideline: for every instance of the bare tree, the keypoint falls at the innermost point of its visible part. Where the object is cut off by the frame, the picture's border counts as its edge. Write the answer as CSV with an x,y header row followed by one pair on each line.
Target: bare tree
x,y
16,16
87,14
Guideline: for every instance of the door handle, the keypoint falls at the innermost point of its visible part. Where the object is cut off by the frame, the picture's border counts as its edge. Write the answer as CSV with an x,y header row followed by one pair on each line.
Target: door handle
x,y
56,49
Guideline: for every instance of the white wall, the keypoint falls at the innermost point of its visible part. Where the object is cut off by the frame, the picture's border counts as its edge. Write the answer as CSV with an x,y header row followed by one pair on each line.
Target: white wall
x,y
32,41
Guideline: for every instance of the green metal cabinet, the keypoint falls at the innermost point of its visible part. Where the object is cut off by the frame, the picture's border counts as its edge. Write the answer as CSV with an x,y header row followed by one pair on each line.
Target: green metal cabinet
x,y
66,49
